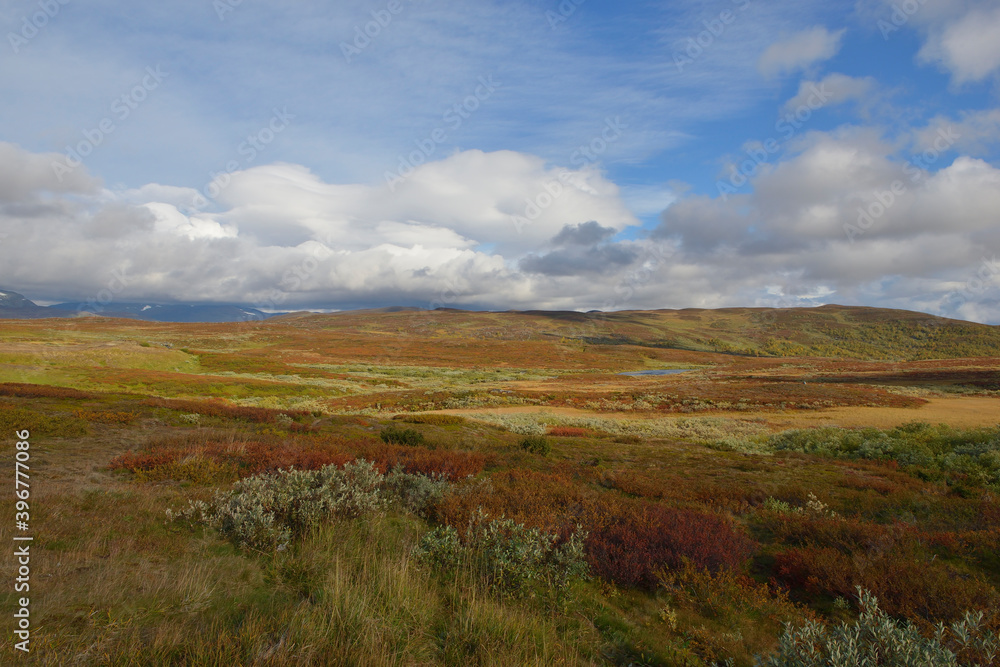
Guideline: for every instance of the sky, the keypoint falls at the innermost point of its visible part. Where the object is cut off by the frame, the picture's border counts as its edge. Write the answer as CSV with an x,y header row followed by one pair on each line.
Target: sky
x,y
562,155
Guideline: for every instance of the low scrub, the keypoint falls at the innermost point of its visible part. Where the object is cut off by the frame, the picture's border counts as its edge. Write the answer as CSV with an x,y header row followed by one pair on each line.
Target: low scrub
x,y
971,455
536,444
409,437
216,408
433,419
24,390
13,418
265,513
571,432
245,456
508,557
540,500
450,465
701,429
106,416
878,639
633,544
743,616
909,584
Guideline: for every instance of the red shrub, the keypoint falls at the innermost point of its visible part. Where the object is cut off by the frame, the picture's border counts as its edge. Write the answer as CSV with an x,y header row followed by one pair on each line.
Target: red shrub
x,y
106,417
135,461
731,497
41,391
878,485
452,465
631,545
847,535
262,454
536,499
246,457
906,584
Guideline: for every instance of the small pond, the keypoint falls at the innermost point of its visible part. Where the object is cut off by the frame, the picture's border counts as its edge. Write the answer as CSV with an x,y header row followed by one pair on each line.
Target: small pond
x,y
661,371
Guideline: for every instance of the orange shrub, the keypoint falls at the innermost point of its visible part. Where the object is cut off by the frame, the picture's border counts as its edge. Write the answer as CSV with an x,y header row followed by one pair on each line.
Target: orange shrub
x,y
536,499
450,464
106,417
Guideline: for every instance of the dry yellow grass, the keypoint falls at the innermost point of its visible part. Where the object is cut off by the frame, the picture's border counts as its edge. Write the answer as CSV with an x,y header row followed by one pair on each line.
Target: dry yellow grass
x,y
965,412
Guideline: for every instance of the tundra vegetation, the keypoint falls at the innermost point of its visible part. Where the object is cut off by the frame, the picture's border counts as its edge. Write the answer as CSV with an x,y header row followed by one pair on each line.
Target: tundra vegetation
x,y
461,489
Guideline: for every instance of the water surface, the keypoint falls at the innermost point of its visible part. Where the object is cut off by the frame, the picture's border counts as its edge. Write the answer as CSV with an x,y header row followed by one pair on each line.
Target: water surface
x,y
660,371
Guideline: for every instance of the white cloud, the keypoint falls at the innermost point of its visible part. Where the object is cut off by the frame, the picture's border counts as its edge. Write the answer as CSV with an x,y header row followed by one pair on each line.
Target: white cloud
x,y
848,214
25,175
283,238
831,90
974,132
799,51
968,47
283,231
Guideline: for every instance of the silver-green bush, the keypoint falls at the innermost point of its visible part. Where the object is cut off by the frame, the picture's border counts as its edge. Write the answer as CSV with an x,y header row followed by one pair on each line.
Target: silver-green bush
x,y
416,493
507,556
266,512
877,639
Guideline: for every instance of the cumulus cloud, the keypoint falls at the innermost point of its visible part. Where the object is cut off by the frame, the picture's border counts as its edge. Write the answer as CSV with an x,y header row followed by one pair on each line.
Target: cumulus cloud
x,y
974,132
280,235
588,233
966,46
847,217
799,51
580,249
832,90
842,218
26,176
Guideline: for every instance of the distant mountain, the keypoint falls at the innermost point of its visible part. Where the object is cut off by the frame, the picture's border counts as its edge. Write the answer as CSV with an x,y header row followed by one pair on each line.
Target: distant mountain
x,y
16,306
171,313
14,300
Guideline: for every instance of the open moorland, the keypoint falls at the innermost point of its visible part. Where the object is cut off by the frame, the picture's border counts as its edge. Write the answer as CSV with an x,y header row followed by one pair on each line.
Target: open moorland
x,y
403,487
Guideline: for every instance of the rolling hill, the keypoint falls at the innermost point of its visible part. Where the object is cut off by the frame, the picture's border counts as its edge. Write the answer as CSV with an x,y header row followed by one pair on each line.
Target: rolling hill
x,y
854,332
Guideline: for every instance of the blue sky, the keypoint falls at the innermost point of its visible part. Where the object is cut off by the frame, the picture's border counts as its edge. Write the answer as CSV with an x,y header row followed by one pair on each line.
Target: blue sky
x,y
457,154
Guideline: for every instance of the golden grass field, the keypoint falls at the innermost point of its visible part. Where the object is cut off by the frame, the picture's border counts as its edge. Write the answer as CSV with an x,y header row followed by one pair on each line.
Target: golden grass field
x,y
129,419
